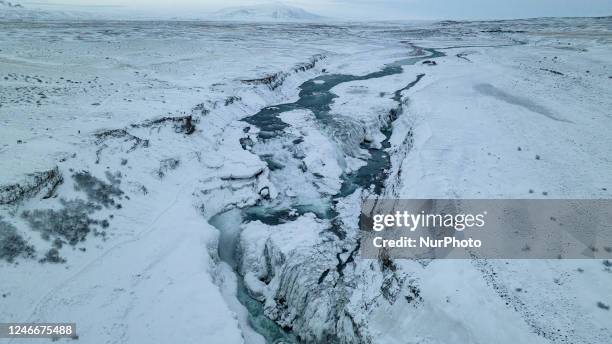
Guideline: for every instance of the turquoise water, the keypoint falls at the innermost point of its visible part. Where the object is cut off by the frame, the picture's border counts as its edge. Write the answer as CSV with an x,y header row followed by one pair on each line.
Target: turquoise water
x,y
316,97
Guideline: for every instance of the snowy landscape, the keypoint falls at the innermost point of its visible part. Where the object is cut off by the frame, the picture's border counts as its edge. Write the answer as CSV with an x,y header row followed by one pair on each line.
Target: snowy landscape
x,y
200,181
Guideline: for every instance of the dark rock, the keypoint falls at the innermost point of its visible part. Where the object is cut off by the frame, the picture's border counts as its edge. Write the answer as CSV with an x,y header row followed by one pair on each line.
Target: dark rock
x,y
182,124
31,185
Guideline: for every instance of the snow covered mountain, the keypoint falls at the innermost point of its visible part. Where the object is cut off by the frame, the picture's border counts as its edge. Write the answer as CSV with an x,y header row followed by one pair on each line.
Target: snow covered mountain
x,y
8,4
265,12
15,11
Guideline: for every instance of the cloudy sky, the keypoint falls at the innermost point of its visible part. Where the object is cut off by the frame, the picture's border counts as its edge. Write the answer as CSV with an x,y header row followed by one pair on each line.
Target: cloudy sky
x,y
356,9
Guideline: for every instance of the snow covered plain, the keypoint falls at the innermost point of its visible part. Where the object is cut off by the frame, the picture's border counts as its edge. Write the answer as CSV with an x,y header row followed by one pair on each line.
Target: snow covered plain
x,y
200,182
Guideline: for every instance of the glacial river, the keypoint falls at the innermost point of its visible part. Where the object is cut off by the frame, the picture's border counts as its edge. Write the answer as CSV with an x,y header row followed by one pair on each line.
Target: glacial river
x,y
315,95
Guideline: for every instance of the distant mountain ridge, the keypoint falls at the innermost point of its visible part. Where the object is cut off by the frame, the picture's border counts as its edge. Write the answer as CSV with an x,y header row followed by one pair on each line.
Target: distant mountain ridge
x,y
273,12
266,12
15,11
10,4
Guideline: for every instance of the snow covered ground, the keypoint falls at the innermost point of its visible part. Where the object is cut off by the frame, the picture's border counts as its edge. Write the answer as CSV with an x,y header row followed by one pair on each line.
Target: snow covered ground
x,y
120,141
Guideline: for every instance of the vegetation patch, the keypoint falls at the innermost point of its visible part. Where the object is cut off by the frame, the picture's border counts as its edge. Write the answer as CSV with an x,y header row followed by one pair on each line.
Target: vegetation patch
x,y
71,223
166,165
97,190
12,244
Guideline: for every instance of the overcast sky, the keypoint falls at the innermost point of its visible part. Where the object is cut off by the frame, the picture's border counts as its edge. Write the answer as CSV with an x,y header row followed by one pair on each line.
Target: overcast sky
x,y
356,9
